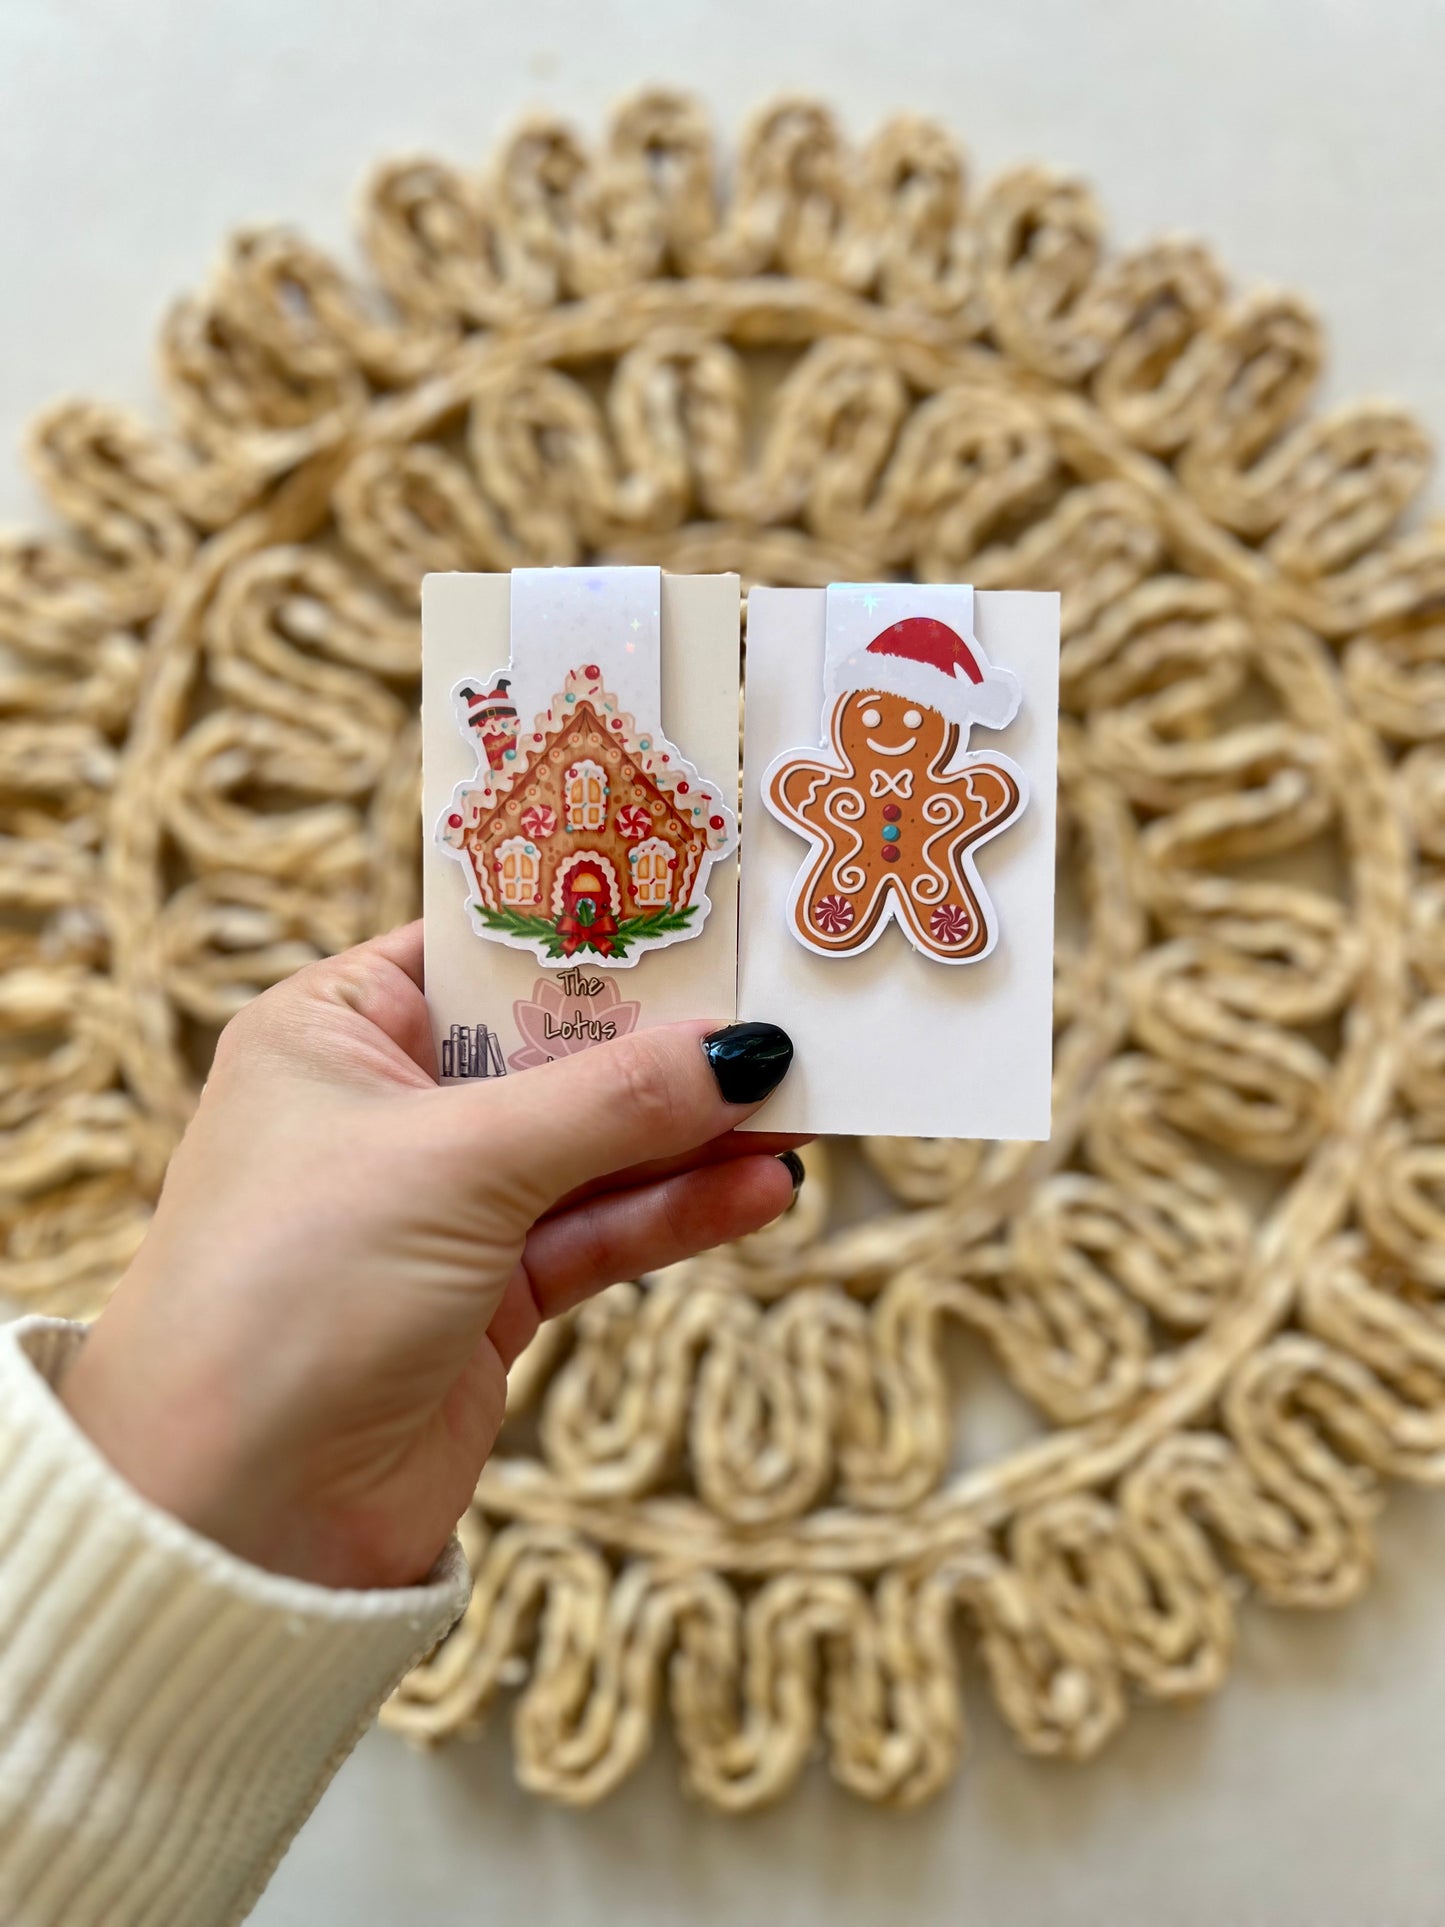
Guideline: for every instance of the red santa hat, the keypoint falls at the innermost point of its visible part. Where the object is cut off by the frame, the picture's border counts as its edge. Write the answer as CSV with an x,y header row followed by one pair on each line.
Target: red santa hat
x,y
926,662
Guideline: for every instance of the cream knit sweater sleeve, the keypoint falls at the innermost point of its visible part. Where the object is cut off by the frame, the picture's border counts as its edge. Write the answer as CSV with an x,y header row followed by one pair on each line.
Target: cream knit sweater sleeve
x,y
169,1715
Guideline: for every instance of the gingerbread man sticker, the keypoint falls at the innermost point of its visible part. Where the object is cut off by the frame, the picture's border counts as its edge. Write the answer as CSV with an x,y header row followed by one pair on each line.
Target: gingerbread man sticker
x,y
897,807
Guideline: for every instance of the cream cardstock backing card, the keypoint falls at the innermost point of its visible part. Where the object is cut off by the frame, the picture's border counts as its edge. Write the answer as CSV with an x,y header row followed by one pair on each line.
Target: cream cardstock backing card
x,y
890,1041
496,1007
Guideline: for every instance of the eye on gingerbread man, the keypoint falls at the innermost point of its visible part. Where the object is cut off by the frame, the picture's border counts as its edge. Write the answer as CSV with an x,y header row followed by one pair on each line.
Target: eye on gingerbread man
x,y
892,810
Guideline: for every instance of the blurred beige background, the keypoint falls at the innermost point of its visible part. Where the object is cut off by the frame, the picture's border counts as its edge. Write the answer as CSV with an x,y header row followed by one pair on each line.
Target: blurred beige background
x,y
1302,137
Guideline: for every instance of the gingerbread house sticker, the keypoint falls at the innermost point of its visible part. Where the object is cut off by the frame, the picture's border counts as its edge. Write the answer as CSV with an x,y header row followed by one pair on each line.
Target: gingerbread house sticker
x,y
587,835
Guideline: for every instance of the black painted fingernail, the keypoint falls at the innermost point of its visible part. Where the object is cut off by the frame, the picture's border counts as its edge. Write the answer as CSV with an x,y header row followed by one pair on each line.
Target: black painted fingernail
x,y
748,1060
795,1168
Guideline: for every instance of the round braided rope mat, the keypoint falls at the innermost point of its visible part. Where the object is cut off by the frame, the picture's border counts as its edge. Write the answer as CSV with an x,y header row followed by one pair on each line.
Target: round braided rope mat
x,y
733,1492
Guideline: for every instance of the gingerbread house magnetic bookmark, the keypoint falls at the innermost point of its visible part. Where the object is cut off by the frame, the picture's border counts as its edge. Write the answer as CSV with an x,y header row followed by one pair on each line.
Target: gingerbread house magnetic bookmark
x,y
585,835
897,803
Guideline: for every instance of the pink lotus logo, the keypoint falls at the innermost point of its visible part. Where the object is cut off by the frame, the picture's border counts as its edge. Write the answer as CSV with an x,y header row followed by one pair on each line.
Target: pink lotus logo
x,y
569,1012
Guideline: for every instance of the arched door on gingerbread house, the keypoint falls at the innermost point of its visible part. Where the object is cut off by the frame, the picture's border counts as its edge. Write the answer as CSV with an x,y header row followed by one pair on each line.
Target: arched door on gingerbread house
x,y
585,795
652,864
519,872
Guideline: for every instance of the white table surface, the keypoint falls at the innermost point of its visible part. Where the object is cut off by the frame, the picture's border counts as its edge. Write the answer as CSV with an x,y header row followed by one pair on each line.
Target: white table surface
x,y
1305,140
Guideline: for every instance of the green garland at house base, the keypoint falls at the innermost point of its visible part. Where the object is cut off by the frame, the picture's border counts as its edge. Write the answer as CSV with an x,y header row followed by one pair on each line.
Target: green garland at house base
x,y
516,923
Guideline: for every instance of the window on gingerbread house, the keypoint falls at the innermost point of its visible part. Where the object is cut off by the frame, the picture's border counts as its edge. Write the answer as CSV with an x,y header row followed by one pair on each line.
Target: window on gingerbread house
x,y
518,872
652,866
586,796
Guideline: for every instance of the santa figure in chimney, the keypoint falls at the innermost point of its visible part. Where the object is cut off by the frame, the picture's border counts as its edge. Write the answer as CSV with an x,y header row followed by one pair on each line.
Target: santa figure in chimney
x,y
492,715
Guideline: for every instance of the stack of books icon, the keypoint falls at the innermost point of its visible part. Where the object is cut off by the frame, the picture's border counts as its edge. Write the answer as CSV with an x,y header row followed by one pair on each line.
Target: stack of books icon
x,y
472,1051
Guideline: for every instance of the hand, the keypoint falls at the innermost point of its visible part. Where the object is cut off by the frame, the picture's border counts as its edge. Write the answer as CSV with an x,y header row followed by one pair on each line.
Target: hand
x,y
307,1359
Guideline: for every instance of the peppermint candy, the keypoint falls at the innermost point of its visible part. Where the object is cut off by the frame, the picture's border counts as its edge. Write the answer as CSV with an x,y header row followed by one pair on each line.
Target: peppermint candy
x,y
951,923
538,821
833,915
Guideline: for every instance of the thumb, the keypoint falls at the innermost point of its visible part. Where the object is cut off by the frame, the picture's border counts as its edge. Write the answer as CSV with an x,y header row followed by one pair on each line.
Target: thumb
x,y
652,1094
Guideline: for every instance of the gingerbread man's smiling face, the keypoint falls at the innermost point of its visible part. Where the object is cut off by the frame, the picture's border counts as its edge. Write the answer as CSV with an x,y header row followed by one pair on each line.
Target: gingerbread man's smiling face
x,y
875,727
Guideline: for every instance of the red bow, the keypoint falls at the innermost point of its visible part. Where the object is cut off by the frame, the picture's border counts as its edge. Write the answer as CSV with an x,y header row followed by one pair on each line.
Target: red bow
x,y
599,933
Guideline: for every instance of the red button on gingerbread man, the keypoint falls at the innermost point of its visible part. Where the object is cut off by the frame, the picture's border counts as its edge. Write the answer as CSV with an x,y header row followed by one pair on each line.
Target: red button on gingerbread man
x,y
895,818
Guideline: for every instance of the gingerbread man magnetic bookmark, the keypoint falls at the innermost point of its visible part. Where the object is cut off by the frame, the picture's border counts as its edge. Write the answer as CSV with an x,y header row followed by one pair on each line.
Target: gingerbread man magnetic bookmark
x,y
897,805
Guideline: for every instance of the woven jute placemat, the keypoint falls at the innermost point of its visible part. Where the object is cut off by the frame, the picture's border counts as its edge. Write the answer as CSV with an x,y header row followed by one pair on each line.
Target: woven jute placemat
x,y
730,1492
